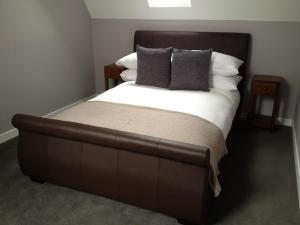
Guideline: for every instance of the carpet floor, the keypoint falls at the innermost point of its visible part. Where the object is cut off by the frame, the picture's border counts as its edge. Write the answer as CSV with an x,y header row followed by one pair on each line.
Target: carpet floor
x,y
258,180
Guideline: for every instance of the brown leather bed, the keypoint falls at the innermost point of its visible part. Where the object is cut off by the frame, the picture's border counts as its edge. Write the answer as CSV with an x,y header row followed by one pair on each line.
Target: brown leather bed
x,y
167,176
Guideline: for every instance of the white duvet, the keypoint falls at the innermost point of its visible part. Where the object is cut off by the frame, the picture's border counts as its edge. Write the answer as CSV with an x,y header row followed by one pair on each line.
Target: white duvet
x,y
217,106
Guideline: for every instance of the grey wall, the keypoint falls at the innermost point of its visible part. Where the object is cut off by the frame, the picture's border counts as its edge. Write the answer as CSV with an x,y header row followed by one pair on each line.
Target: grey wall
x,y
297,119
275,47
46,58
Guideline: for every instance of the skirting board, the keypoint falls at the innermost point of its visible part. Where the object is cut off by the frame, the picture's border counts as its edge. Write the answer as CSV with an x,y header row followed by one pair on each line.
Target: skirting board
x,y
297,160
280,121
14,132
8,135
285,122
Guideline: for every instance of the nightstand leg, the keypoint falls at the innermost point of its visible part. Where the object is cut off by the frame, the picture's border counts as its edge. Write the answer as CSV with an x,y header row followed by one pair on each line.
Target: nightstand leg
x,y
106,83
252,108
116,82
276,107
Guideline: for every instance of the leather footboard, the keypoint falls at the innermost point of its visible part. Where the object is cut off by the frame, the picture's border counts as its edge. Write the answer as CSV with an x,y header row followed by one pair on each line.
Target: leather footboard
x,y
157,174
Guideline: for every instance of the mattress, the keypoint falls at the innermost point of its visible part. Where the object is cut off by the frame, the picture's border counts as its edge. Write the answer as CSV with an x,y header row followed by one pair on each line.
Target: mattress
x,y
217,106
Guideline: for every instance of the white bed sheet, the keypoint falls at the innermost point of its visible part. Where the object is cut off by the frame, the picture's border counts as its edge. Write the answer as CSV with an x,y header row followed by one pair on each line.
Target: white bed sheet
x,y
217,106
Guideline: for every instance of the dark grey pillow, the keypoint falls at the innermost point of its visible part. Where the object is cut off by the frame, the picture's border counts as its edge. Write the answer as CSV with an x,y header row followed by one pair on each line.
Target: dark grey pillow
x,y
190,70
154,66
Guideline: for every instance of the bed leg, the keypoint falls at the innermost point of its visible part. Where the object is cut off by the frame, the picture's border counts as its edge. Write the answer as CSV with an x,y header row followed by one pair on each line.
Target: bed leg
x,y
186,222
37,180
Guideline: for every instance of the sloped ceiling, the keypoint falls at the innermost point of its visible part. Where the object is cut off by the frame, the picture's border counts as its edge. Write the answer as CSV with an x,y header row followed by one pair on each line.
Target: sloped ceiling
x,y
253,10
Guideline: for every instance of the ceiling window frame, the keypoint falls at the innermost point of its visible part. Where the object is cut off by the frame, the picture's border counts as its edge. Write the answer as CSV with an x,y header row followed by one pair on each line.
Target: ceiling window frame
x,y
169,3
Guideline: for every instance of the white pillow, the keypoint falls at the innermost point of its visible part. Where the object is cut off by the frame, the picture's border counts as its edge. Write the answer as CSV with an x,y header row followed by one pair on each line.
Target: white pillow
x,y
129,61
224,65
227,83
129,75
220,65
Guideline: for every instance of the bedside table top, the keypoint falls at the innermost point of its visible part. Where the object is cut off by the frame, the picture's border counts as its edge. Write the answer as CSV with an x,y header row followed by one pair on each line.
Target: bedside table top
x,y
114,66
267,78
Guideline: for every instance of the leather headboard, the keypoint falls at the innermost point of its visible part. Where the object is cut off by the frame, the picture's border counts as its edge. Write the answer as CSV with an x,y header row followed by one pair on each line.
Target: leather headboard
x,y
235,44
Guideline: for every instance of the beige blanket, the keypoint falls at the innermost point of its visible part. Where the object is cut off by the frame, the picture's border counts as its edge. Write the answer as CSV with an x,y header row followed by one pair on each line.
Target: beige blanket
x,y
159,123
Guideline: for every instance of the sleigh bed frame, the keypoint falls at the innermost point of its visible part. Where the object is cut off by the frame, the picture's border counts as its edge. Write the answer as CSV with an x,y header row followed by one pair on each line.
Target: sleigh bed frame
x,y
168,177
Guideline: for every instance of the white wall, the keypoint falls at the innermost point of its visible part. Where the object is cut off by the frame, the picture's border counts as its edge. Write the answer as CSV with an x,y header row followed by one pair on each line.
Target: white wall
x,y
253,10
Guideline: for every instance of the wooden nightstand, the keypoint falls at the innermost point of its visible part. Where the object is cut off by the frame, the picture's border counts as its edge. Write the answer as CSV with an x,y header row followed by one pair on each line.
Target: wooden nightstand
x,y
113,72
264,85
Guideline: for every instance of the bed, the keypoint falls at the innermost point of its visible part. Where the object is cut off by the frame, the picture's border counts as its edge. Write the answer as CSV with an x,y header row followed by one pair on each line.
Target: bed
x,y
131,153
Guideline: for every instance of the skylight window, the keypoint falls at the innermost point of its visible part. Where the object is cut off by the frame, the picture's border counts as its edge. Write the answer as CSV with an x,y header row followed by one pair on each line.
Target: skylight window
x,y
169,3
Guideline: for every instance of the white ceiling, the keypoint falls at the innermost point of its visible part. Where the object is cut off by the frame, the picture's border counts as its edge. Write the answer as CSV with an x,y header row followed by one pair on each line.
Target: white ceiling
x,y
253,10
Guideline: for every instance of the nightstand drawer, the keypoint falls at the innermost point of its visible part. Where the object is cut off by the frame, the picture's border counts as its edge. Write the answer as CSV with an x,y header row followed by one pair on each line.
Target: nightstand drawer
x,y
264,88
112,72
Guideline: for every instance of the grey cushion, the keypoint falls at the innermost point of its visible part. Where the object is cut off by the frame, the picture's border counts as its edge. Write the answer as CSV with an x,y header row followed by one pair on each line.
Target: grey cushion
x,y
190,70
154,66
